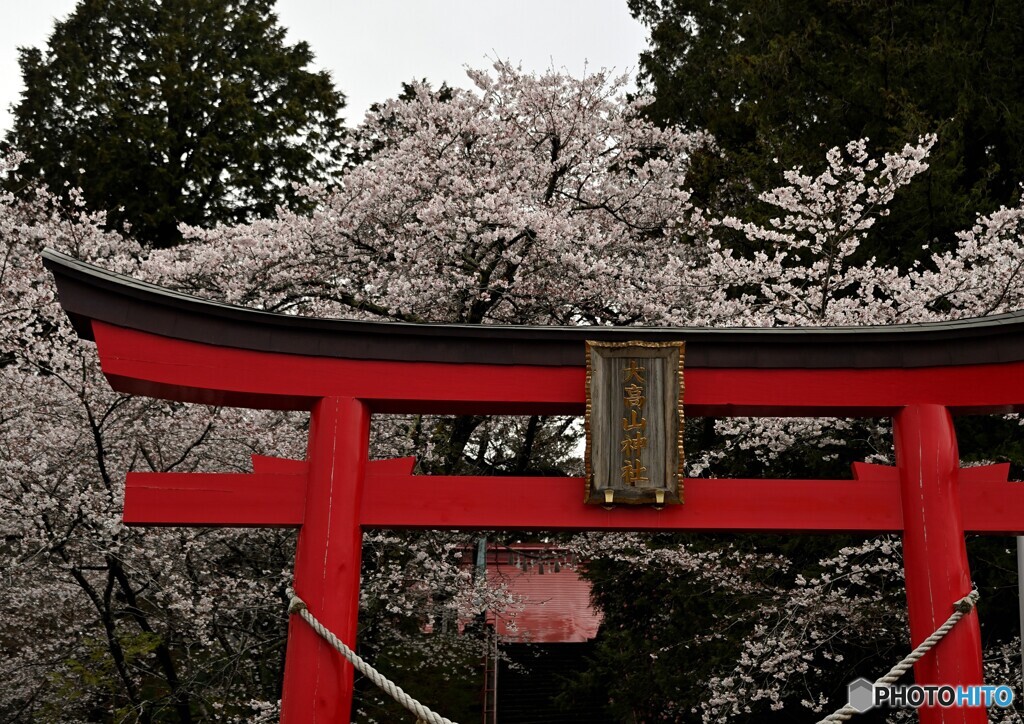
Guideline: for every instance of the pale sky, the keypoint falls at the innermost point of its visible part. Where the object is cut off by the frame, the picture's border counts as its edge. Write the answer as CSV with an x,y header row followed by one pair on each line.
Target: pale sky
x,y
372,46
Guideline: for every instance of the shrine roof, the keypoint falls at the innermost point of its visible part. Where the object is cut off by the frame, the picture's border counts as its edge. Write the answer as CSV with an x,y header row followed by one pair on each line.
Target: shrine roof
x,y
89,293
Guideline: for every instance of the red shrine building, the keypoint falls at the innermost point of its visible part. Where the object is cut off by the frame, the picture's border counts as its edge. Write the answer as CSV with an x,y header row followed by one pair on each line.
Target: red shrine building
x,y
543,637
553,599
156,342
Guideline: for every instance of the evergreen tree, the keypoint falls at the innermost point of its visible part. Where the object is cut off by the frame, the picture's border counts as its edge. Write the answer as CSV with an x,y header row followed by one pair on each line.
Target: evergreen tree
x,y
169,111
787,80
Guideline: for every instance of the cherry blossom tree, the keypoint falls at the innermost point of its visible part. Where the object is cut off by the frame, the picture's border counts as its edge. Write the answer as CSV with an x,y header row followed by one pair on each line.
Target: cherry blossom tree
x,y
520,201
102,621
531,199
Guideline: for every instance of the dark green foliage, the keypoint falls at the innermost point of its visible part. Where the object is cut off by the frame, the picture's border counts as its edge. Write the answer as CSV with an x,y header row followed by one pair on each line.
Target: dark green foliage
x,y
656,653
365,147
168,111
787,80
645,658
441,672
532,685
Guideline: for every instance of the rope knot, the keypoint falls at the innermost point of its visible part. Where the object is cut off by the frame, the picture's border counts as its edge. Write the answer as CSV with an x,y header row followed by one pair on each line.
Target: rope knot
x,y
967,603
296,605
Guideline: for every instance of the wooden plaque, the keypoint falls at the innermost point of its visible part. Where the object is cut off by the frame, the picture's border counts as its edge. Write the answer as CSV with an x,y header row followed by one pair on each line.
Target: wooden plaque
x,y
634,423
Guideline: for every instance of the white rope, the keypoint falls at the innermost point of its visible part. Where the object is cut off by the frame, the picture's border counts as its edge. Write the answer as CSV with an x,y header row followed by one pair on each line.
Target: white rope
x,y
961,608
298,606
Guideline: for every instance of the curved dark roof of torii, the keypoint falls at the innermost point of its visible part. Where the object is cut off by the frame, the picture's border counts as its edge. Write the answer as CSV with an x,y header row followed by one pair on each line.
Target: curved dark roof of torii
x,y
88,292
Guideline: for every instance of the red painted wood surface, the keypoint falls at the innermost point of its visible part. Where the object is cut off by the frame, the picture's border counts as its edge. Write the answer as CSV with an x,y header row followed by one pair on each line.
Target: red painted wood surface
x,y
935,556
215,499
395,498
557,504
273,495
147,364
317,679
711,505
989,503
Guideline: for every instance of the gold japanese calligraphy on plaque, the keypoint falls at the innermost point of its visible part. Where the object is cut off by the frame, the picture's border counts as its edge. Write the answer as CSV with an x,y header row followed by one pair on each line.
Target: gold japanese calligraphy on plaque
x,y
634,422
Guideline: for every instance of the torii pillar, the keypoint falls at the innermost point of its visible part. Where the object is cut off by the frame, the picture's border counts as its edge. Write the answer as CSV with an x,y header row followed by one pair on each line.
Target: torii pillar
x,y
317,681
935,554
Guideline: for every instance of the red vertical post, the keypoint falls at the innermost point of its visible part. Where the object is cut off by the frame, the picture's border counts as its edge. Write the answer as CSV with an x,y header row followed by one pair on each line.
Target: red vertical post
x,y
935,555
317,679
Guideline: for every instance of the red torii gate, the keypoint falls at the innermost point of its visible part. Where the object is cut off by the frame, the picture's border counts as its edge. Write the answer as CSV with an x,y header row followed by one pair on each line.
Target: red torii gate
x,y
156,342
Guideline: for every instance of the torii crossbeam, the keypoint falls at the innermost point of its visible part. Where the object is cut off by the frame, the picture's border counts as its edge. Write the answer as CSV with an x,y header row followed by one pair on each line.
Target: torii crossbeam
x,y
152,341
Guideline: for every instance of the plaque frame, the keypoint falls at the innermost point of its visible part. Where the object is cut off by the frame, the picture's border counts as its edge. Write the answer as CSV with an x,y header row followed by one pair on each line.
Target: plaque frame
x,y
611,490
